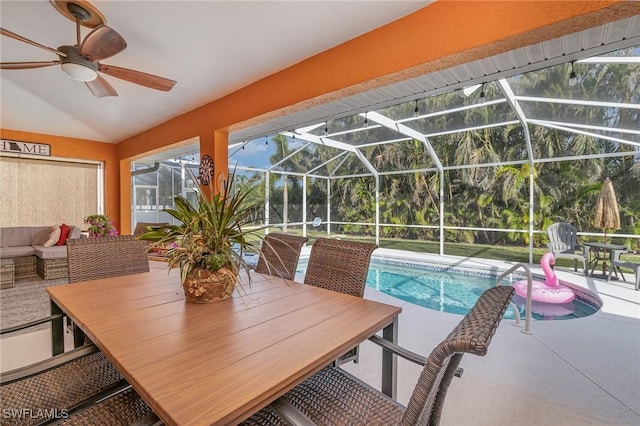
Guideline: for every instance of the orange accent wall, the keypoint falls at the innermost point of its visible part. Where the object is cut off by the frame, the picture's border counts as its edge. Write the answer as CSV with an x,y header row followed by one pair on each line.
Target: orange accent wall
x,y
125,197
221,156
82,149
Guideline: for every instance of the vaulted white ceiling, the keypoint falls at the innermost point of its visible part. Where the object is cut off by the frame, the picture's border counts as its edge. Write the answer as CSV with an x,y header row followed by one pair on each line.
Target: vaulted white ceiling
x,y
211,48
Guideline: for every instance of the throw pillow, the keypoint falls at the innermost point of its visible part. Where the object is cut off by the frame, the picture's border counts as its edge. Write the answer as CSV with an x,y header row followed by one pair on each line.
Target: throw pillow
x,y
54,236
75,232
64,233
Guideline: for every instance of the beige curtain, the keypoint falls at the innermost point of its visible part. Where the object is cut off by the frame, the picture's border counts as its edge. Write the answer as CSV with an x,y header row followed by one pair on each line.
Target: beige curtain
x,y
46,192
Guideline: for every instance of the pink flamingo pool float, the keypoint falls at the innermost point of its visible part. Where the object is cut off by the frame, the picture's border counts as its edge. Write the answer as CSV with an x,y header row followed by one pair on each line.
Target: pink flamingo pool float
x,y
550,291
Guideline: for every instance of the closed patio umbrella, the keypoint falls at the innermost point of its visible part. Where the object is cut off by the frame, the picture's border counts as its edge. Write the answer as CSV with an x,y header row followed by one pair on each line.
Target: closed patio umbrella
x,y
607,215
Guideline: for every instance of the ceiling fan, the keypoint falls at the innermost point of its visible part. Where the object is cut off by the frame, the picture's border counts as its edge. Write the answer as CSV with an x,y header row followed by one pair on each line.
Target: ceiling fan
x,y
81,61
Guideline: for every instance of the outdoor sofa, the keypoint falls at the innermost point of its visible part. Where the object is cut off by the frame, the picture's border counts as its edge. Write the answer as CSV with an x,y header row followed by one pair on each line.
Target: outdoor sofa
x,y
24,246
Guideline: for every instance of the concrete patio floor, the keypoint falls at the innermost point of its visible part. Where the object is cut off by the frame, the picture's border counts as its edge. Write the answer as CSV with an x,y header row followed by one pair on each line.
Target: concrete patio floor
x,y
569,372
582,371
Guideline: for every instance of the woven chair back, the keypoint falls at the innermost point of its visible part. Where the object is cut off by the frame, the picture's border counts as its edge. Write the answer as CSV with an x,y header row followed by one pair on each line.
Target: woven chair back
x,y
61,382
472,335
339,265
279,255
143,227
104,257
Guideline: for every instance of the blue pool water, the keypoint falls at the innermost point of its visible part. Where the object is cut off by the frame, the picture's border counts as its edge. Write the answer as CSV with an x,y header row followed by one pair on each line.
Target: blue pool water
x,y
456,292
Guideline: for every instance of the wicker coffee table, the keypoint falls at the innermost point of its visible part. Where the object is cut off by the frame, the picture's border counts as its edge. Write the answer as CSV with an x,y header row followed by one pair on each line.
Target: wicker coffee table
x,y
7,273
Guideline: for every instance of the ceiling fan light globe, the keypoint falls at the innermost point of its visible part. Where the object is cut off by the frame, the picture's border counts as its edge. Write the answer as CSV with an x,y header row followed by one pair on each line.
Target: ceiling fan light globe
x,y
79,72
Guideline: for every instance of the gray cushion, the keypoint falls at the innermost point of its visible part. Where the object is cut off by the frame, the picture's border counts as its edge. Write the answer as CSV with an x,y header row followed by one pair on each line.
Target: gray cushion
x,y
12,236
55,252
18,251
19,241
75,232
15,236
40,234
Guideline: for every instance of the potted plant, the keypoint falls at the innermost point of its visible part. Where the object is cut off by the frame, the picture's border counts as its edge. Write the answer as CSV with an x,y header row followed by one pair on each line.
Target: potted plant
x,y
208,243
100,226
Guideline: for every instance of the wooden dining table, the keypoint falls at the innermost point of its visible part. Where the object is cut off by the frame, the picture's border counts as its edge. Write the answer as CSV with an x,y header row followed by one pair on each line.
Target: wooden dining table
x,y
218,363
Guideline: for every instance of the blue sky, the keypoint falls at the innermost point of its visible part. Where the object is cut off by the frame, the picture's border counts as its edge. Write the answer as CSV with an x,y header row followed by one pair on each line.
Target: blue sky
x,y
256,152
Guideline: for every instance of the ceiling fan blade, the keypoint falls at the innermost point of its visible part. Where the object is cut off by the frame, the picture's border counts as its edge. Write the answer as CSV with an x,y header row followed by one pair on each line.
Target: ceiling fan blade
x,y
138,77
101,88
31,42
101,43
26,65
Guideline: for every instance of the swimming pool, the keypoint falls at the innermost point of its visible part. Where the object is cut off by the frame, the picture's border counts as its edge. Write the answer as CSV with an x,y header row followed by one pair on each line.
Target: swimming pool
x,y
455,289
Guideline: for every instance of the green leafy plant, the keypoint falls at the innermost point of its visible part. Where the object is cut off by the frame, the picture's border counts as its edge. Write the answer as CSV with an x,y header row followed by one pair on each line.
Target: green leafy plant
x,y
211,235
100,226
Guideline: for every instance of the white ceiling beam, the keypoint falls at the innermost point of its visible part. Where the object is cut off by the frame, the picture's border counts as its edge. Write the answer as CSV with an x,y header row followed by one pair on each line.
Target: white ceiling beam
x,y
515,105
321,140
356,130
307,129
467,129
577,102
591,127
449,111
610,60
333,173
385,142
594,135
405,130
288,156
328,161
366,162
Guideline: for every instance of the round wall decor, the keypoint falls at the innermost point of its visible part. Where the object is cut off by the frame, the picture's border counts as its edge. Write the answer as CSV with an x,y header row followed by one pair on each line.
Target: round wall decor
x,y
222,183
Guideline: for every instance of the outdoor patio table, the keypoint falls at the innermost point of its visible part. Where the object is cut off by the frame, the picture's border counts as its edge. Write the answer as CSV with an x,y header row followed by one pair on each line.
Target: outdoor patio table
x,y
221,362
601,251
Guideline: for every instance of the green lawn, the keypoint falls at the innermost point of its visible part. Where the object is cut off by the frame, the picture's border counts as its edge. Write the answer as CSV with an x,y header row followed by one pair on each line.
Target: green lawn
x,y
485,251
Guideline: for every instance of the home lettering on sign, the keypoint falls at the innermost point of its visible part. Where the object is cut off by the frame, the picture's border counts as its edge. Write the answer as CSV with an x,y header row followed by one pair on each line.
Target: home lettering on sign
x,y
18,147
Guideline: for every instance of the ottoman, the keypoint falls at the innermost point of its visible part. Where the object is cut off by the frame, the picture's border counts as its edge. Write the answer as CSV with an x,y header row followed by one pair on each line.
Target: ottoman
x,y
7,277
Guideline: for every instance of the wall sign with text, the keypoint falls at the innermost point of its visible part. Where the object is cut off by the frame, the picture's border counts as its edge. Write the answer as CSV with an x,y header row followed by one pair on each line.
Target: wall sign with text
x,y
18,147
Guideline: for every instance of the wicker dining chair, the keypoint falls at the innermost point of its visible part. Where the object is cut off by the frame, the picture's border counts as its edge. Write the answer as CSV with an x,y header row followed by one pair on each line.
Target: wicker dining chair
x,y
58,382
341,266
81,377
154,251
333,396
279,255
95,258
123,407
143,227
104,257
98,258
